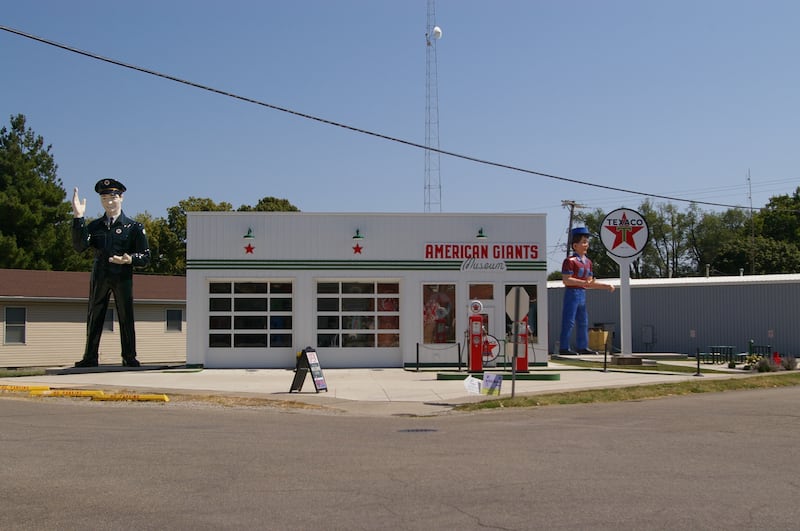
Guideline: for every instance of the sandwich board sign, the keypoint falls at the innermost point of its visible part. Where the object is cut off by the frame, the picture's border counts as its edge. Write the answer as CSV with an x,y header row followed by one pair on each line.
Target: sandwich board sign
x,y
308,362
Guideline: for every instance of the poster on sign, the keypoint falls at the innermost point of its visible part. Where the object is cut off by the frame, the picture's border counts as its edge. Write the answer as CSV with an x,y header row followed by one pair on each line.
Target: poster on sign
x,y
472,385
307,361
491,383
316,371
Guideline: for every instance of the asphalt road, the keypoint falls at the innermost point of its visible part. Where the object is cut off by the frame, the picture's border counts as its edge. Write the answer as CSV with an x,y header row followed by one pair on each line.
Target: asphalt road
x,y
710,461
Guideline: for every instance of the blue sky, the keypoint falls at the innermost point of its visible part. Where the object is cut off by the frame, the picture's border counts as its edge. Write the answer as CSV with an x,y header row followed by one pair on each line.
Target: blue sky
x,y
677,98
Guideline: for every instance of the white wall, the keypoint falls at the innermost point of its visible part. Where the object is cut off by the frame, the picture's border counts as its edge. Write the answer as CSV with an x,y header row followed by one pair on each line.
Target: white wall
x,y
305,248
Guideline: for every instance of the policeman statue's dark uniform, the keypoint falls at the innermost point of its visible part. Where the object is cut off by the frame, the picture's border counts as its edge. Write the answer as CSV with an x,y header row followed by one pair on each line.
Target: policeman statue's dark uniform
x,y
119,238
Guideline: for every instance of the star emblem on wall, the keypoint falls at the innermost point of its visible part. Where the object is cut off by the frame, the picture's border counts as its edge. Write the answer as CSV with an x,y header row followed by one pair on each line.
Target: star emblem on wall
x,y
248,249
357,249
623,233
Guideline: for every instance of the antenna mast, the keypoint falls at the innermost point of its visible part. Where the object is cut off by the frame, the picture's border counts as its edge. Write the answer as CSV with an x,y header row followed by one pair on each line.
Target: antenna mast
x,y
433,182
752,226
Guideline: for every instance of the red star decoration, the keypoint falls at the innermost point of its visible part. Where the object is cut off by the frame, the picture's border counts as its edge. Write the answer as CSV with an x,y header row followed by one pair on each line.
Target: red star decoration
x,y
357,249
249,249
623,233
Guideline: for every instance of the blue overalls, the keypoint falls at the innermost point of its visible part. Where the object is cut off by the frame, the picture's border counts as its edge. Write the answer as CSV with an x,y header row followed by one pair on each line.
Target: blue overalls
x,y
574,310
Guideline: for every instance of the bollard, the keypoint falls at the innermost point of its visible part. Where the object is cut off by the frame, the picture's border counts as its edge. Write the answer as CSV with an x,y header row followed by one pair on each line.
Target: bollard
x,y
697,356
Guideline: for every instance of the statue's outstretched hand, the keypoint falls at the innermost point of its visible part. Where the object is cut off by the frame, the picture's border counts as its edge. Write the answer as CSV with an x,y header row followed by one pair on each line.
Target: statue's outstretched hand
x,y
78,206
121,260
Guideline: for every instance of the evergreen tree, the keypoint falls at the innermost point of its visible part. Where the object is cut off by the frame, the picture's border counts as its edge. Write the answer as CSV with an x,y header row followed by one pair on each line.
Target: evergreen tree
x,y
36,219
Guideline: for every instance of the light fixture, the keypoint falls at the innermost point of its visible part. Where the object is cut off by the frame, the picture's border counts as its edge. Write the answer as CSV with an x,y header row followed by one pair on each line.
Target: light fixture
x,y
481,235
358,235
249,234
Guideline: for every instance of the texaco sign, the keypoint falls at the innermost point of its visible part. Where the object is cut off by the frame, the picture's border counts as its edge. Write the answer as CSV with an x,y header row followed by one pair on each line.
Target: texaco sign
x,y
624,233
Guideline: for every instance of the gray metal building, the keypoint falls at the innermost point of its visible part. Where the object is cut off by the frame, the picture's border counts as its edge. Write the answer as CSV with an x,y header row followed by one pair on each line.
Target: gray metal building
x,y
685,314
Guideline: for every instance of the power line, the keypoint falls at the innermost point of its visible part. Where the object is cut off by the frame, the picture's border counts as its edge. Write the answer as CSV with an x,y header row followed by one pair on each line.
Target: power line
x,y
352,128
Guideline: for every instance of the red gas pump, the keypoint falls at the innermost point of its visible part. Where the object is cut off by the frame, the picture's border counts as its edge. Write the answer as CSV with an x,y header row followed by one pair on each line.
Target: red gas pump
x,y
475,337
522,350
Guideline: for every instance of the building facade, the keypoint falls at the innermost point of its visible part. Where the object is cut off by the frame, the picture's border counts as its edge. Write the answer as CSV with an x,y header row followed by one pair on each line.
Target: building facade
x,y
44,319
364,290
682,315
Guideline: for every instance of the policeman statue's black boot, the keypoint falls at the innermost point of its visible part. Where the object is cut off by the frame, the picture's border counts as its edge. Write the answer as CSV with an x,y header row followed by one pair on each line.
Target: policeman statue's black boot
x,y
86,362
130,362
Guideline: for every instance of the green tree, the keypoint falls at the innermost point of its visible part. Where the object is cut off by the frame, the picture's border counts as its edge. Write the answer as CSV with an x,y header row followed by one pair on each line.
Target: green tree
x,y
167,252
167,238
36,220
769,256
710,232
176,215
270,204
667,252
780,219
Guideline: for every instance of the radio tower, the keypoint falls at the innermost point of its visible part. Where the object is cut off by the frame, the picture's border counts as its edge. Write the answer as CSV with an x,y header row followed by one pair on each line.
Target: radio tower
x,y
433,182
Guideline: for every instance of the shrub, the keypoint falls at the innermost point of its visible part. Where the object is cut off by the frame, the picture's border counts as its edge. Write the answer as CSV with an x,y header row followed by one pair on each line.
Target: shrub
x,y
789,362
766,365
751,362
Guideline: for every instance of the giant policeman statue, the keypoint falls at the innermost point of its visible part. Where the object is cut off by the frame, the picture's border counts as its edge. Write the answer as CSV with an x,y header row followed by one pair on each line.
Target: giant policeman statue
x,y
119,244
577,276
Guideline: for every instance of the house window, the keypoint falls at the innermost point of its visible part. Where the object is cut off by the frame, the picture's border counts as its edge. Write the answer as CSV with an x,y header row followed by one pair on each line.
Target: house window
x,y
438,313
174,320
253,314
15,326
357,314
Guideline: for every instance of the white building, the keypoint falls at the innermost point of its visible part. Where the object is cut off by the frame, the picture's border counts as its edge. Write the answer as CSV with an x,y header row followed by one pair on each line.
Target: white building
x,y
365,290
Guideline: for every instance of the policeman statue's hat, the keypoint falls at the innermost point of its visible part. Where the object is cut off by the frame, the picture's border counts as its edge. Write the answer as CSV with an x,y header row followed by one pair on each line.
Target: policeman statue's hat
x,y
109,186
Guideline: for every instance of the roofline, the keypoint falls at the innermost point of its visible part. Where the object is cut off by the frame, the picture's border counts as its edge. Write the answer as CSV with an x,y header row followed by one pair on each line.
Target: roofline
x,y
787,278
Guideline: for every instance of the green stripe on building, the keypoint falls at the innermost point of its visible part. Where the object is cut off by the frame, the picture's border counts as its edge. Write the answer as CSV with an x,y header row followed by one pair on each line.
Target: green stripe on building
x,y
355,265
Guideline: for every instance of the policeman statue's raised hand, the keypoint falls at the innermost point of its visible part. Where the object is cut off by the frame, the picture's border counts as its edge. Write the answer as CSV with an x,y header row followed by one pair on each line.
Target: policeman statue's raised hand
x,y
119,245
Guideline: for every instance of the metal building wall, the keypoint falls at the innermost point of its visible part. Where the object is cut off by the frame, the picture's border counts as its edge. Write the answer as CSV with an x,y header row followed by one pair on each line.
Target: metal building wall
x,y
683,316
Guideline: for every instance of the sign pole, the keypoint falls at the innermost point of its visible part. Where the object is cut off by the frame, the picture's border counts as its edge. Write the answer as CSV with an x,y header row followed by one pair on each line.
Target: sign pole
x,y
624,234
514,311
625,333
515,335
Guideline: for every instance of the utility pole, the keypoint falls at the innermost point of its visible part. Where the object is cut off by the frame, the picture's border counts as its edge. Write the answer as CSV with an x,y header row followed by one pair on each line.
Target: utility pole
x,y
572,205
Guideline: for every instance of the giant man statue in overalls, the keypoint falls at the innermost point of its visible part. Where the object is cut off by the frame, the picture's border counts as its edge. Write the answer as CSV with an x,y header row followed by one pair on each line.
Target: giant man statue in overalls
x,y
576,273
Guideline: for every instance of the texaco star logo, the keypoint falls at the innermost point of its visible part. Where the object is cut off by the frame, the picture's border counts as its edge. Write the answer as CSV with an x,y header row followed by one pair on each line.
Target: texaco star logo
x,y
624,233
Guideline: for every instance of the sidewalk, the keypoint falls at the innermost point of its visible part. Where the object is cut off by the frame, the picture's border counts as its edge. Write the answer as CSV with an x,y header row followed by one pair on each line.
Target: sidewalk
x,y
356,391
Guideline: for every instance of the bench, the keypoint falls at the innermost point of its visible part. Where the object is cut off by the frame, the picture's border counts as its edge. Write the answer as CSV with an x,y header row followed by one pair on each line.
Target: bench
x,y
717,354
764,351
